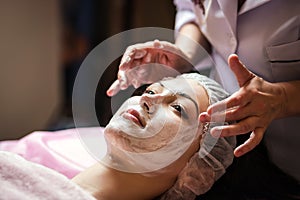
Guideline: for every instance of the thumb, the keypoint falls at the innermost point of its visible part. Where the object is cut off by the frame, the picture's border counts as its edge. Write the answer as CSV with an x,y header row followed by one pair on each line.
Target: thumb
x,y
242,74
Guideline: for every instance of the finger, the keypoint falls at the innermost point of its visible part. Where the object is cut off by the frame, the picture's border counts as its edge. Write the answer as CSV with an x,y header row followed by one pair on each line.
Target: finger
x,y
238,99
131,54
113,89
135,64
133,76
242,127
242,74
157,44
220,106
204,117
163,59
147,58
136,83
233,114
125,62
139,53
123,79
167,46
254,139
139,50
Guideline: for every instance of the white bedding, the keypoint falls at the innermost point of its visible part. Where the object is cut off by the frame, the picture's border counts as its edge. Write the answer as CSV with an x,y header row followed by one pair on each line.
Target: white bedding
x,y
21,179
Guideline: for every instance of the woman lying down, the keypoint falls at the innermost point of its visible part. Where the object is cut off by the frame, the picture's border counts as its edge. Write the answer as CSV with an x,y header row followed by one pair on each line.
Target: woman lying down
x,y
156,148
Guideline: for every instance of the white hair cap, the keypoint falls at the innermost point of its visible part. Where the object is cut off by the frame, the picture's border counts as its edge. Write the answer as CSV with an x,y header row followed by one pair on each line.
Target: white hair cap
x,y
214,156
214,91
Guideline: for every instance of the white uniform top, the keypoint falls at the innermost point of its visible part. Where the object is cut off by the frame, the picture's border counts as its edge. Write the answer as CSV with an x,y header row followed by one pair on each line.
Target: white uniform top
x,y
266,36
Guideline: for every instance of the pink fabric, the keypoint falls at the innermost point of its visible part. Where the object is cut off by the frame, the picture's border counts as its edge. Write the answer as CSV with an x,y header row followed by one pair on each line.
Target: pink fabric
x,y
61,151
20,179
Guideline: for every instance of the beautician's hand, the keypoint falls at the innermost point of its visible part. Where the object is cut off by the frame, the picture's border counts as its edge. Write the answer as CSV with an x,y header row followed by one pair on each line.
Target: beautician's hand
x,y
148,62
253,107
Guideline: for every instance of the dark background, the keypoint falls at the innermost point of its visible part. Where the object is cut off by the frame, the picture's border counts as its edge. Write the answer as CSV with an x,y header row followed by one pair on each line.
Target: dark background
x,y
42,47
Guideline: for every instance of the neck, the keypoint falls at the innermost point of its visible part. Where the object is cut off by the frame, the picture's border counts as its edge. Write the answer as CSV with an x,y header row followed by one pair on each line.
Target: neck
x,y
103,182
106,183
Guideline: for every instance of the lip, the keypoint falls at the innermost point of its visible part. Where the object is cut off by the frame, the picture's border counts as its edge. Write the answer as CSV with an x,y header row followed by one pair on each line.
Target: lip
x,y
135,116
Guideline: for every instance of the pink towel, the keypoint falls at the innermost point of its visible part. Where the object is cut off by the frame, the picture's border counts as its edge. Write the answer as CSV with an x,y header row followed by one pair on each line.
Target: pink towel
x,y
21,179
62,150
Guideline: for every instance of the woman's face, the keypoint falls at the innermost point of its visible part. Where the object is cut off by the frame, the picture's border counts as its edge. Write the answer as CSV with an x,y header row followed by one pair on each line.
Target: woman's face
x,y
166,114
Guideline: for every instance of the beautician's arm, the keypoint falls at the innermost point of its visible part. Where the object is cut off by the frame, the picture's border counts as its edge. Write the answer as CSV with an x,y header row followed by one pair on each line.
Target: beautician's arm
x,y
187,40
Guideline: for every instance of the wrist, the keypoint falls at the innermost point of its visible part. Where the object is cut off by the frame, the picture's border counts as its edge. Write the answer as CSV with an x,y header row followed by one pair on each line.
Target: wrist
x,y
290,98
282,96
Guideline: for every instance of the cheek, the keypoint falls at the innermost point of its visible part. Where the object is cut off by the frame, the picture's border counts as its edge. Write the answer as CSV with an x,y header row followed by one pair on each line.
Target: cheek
x,y
170,128
111,135
117,139
165,123
132,101
160,139
167,132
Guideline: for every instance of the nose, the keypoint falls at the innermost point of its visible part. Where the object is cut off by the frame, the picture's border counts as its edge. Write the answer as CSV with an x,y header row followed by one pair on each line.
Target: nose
x,y
149,102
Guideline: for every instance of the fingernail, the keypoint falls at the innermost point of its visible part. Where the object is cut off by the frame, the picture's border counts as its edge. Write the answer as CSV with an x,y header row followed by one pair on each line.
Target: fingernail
x,y
204,117
112,91
157,44
109,93
128,59
216,131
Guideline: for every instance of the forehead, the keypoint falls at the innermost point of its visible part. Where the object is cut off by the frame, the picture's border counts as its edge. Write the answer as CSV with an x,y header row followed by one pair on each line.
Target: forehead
x,y
181,85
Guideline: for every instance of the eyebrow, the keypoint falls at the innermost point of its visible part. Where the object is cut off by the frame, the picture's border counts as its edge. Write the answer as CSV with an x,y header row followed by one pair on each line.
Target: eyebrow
x,y
183,95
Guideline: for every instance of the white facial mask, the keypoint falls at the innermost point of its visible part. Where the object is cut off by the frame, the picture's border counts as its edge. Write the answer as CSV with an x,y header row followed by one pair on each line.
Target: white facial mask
x,y
166,145
143,162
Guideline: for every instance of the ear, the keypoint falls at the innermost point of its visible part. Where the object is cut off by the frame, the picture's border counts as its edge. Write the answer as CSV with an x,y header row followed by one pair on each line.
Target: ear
x,y
202,130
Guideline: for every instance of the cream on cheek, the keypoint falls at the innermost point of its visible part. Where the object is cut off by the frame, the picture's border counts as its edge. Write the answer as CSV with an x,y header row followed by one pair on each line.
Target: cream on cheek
x,y
153,155
170,137
160,129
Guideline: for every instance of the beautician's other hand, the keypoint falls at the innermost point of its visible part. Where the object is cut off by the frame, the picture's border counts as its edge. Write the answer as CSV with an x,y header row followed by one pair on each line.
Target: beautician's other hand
x,y
148,62
253,107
